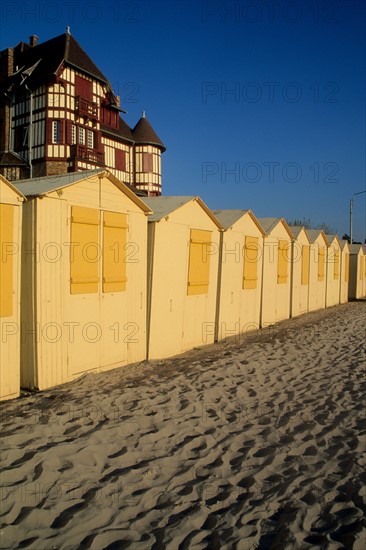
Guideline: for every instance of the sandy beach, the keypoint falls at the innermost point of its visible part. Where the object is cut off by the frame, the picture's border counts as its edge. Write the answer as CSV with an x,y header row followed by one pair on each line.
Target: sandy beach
x,y
255,443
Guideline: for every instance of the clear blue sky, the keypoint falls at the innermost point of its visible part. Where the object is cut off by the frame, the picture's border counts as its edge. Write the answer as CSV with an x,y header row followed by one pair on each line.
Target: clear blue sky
x,y
261,104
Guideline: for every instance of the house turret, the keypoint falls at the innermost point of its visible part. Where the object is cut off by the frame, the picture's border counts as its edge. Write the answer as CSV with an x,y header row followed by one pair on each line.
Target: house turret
x,y
148,150
61,115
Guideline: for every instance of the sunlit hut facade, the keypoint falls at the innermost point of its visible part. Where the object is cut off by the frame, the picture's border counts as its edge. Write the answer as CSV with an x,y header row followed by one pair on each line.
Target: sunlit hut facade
x,y
183,259
240,279
333,279
317,268
344,282
83,277
357,281
276,282
10,259
300,271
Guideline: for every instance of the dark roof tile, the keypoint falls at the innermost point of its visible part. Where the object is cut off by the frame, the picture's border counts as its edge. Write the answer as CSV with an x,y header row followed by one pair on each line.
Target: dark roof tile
x,y
8,158
50,55
144,133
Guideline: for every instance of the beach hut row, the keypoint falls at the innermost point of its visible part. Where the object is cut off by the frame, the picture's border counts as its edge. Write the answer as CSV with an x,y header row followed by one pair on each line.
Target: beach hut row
x,y
94,277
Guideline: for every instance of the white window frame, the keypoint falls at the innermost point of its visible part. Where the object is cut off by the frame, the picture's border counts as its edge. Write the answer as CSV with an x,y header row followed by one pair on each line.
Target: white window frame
x,y
73,134
81,135
90,139
56,131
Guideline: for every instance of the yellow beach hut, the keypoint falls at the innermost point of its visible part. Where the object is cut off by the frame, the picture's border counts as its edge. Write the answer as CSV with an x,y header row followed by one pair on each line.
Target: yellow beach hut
x,y
10,260
333,260
183,260
357,272
276,279
317,268
240,279
344,276
300,271
83,277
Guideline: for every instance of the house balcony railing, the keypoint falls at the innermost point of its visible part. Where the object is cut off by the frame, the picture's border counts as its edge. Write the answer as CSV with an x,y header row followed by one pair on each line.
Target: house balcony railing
x,y
89,155
86,107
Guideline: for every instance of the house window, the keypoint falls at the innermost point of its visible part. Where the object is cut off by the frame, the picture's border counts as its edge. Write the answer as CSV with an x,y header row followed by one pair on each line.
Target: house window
x,y
90,139
81,136
83,87
12,173
73,134
56,131
147,162
199,262
25,136
251,255
120,160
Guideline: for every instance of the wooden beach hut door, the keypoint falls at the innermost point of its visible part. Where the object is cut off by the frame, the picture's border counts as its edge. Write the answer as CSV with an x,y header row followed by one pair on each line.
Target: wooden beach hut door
x,y
118,330
196,304
84,336
97,289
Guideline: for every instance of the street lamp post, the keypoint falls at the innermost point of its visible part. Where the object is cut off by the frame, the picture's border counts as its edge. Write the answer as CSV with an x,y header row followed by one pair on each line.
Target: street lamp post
x,y
351,206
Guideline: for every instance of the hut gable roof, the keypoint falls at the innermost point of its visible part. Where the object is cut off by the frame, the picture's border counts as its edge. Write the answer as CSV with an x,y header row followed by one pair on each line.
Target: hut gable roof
x,y
296,230
229,217
38,187
11,186
313,234
355,248
269,224
331,238
344,244
163,206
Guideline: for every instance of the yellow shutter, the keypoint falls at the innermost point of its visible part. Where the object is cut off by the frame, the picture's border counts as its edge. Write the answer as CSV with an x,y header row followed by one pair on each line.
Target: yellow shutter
x,y
283,259
251,255
305,265
199,262
336,264
346,269
6,259
84,250
114,252
321,263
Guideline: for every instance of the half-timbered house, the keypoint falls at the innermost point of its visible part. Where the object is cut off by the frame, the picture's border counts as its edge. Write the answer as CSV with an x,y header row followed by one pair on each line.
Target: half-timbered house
x,y
59,114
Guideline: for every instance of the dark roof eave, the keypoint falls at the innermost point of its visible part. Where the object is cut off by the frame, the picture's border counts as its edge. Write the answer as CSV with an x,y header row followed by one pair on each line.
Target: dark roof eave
x,y
158,145
118,136
116,108
86,72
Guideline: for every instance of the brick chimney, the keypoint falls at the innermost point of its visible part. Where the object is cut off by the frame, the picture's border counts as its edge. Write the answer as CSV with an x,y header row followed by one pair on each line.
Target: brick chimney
x,y
33,40
6,63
